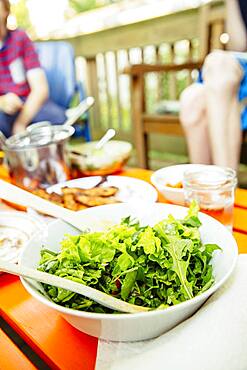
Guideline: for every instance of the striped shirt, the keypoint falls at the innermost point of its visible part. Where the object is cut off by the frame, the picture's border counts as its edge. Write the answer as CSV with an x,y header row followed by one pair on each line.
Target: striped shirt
x,y
17,57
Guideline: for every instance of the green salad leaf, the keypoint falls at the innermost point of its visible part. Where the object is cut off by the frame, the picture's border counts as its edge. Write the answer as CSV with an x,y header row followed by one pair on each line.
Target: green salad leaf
x,y
154,267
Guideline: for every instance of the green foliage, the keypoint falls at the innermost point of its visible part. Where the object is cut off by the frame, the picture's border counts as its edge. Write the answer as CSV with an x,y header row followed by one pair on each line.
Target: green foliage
x,y
20,11
82,6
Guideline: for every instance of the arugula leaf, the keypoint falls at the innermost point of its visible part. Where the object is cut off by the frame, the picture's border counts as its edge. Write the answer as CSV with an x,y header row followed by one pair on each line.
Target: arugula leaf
x,y
192,217
128,283
177,249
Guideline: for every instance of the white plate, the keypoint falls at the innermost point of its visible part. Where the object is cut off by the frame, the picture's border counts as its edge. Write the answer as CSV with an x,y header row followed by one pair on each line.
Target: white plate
x,y
130,189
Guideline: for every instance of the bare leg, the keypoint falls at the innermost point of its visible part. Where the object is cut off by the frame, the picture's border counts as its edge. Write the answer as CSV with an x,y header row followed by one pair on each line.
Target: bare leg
x,y
222,74
193,116
234,135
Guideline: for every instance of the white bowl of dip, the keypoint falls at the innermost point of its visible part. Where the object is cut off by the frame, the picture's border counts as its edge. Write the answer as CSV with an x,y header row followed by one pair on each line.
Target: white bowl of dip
x,y
16,229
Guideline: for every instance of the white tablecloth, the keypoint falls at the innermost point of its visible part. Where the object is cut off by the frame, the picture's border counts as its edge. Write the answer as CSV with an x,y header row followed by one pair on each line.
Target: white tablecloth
x,y
214,338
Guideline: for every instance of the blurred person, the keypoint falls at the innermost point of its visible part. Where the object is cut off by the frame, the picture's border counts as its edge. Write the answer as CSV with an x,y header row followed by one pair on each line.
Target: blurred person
x,y
24,92
210,109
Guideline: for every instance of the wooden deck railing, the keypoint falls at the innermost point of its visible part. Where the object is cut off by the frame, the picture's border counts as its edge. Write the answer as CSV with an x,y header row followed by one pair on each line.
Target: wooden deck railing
x,y
165,39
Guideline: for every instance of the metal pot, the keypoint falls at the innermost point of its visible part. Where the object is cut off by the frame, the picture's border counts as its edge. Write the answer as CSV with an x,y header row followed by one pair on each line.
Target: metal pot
x,y
39,157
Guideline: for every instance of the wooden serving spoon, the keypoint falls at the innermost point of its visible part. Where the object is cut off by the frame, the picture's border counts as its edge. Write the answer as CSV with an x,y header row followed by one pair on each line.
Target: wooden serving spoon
x,y
14,194
91,293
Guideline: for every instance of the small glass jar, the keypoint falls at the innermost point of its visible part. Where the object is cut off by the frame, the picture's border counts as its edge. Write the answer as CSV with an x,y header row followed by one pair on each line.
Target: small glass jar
x,y
213,188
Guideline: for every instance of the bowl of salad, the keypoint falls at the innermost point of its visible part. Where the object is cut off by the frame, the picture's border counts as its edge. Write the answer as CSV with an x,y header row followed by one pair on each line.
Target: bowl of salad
x,y
88,160
164,257
169,181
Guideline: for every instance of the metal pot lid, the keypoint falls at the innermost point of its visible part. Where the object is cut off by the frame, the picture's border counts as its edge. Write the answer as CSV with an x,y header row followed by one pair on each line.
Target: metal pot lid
x,y
40,136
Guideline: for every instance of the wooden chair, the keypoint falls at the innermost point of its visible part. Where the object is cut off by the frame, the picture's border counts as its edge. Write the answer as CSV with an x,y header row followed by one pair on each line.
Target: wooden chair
x,y
210,26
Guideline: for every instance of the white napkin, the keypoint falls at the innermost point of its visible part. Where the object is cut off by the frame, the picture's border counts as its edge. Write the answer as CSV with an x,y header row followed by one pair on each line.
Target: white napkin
x,y
214,338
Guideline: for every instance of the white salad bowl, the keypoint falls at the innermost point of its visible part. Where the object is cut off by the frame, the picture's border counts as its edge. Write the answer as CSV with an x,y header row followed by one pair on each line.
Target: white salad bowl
x,y
139,326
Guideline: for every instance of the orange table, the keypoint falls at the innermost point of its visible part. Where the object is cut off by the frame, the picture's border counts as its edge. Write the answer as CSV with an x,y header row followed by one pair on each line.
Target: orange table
x,y
14,357
57,343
